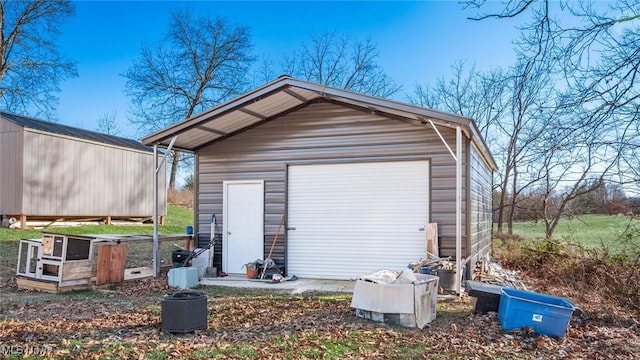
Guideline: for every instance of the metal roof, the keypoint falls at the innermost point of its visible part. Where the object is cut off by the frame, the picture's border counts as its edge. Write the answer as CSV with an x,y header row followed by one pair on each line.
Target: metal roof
x,y
55,128
286,94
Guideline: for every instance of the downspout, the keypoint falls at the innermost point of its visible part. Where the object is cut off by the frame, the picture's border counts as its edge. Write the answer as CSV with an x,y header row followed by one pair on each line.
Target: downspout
x,y
458,208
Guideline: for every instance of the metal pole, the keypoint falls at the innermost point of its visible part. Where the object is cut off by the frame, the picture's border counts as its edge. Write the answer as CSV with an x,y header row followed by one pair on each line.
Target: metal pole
x,y
156,202
458,207
156,247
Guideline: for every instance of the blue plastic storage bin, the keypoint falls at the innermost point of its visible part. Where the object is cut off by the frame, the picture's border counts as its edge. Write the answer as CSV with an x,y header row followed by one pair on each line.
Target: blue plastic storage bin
x,y
546,314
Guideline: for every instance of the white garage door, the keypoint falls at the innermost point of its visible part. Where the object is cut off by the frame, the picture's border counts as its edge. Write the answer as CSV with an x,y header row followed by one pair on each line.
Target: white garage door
x,y
349,220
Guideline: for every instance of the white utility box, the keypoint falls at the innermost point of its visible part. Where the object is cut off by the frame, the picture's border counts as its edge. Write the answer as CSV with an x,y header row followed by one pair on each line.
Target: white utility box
x,y
406,304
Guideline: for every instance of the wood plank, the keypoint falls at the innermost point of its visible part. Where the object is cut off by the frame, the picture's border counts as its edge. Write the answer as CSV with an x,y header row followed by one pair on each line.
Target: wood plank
x,y
73,287
30,284
431,237
103,263
111,263
74,283
118,259
77,270
137,273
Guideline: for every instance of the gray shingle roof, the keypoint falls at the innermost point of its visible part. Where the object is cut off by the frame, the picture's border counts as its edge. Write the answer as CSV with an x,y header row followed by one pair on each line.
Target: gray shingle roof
x,y
60,129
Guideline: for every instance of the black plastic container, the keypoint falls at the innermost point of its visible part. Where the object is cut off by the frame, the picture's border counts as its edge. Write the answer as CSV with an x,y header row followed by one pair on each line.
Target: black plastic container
x,y
184,311
487,296
179,256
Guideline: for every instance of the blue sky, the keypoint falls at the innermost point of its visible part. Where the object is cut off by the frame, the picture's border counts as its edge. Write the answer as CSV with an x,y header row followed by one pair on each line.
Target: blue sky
x,y
418,42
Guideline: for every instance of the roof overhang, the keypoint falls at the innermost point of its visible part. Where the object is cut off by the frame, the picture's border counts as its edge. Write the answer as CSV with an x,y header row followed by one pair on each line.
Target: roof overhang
x,y
286,94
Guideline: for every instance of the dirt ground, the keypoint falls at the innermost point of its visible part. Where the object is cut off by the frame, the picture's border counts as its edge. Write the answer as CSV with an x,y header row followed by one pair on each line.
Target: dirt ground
x,y
123,321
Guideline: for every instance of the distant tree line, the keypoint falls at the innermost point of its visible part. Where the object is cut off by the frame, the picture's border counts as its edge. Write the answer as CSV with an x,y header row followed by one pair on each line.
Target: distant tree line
x,y
605,199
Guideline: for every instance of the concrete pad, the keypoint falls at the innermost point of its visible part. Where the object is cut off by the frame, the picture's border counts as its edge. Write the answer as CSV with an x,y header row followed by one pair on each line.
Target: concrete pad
x,y
298,286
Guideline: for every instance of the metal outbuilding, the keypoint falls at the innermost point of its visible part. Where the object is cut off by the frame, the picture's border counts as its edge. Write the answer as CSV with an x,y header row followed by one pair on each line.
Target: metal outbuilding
x,y
356,179
53,171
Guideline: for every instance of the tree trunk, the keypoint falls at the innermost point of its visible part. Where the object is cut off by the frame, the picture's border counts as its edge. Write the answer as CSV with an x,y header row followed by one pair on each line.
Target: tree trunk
x,y
503,198
514,195
174,170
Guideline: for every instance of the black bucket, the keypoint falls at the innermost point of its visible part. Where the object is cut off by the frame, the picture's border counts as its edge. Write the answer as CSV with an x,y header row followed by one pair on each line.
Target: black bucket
x,y
184,311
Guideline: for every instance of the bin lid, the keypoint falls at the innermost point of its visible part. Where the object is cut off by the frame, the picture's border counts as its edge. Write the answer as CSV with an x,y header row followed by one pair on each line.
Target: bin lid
x,y
185,295
181,251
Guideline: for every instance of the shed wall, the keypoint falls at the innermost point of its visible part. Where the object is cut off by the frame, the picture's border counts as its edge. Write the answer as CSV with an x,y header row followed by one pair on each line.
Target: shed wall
x,y
480,207
323,132
72,177
11,149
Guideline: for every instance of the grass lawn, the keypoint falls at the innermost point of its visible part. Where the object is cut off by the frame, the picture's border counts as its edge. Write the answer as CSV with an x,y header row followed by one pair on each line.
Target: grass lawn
x,y
616,233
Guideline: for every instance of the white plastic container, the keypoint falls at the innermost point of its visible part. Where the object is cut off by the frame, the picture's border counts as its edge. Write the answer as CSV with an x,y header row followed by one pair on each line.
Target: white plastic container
x,y
410,305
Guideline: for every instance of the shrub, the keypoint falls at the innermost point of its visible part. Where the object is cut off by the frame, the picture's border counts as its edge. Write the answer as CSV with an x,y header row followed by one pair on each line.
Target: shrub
x,y
588,271
180,197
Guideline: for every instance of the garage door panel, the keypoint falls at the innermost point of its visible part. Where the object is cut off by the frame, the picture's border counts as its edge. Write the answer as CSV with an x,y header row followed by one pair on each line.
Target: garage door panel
x,y
353,219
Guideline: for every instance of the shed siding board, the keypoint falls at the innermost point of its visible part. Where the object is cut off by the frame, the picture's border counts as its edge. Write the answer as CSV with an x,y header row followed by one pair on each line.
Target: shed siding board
x,y
480,206
72,177
11,150
323,132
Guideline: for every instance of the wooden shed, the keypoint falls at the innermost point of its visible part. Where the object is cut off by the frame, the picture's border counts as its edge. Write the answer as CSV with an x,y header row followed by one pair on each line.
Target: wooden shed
x,y
356,178
53,171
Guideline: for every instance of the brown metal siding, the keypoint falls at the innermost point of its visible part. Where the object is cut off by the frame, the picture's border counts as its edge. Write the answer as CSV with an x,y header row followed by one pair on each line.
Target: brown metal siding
x,y
480,205
73,177
11,145
328,133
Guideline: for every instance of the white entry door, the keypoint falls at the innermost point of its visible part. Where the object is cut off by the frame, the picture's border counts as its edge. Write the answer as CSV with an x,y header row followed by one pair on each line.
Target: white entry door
x,y
243,224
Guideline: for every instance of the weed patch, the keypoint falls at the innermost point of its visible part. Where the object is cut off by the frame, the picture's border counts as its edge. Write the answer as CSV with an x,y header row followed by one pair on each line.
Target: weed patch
x,y
588,271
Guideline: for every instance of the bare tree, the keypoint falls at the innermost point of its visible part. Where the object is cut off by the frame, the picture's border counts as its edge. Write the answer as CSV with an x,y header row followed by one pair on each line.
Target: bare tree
x,y
506,107
341,62
31,67
199,64
107,124
480,96
264,72
594,58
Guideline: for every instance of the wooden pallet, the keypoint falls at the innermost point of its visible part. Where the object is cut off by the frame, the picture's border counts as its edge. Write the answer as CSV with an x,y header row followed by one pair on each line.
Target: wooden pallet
x,y
47,286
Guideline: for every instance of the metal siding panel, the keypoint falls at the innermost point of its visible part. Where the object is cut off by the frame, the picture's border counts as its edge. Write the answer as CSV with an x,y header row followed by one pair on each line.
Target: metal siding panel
x,y
277,103
76,178
353,219
9,127
480,212
233,121
265,150
11,180
197,136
